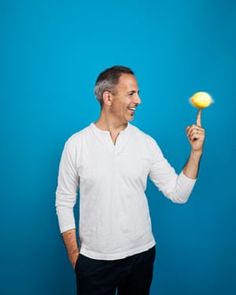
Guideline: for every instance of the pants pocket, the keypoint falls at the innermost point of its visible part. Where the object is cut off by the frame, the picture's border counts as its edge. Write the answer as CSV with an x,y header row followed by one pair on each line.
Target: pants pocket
x,y
77,262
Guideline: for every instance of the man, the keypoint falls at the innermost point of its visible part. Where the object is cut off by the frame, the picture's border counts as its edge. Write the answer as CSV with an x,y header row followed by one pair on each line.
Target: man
x,y
109,162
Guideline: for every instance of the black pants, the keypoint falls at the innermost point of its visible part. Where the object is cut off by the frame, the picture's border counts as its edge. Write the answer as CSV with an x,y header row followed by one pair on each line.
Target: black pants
x,y
128,276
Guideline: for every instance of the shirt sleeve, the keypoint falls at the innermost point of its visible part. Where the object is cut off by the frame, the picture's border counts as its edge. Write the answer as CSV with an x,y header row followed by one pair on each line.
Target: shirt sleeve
x,y
66,192
175,187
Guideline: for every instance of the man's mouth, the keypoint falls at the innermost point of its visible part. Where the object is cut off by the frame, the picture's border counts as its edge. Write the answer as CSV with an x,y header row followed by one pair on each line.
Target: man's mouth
x,y
132,109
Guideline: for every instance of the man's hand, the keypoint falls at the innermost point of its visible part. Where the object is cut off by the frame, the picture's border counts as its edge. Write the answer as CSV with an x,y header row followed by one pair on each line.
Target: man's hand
x,y
196,137
70,241
196,134
73,258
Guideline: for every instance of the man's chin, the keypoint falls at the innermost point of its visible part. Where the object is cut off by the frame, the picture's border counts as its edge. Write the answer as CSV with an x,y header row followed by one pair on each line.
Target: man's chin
x,y
130,118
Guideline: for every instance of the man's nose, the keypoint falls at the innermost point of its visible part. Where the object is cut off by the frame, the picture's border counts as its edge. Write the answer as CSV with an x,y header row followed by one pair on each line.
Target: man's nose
x,y
137,99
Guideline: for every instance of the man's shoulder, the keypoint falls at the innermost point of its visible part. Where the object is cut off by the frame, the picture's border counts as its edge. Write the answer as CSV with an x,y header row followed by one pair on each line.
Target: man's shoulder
x,y
146,140
78,136
139,132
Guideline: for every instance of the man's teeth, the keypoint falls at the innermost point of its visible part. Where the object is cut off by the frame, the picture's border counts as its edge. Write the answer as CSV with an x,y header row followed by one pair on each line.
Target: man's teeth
x,y
132,109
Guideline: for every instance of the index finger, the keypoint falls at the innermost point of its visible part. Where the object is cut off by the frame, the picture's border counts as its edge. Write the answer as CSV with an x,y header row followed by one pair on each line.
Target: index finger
x,y
199,118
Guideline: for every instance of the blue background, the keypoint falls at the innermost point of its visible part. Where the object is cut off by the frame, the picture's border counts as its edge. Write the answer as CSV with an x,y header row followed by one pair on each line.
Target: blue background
x,y
51,53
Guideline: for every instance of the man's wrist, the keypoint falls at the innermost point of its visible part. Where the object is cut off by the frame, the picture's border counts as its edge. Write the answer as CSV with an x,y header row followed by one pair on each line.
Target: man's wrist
x,y
74,252
196,154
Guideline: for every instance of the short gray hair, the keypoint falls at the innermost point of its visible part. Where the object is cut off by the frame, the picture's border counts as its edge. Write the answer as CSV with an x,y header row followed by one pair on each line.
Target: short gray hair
x,y
108,79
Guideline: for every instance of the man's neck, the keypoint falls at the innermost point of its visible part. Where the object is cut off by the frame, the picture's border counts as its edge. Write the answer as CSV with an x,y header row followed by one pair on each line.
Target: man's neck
x,y
110,124
113,126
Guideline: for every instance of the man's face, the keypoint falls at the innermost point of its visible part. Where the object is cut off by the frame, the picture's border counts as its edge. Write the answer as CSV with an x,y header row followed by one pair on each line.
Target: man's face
x,y
125,98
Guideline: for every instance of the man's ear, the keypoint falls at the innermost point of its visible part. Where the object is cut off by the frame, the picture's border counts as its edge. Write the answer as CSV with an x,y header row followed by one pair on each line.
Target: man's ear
x,y
107,98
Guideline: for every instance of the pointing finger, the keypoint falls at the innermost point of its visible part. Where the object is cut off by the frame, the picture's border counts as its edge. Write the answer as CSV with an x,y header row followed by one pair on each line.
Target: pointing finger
x,y
199,118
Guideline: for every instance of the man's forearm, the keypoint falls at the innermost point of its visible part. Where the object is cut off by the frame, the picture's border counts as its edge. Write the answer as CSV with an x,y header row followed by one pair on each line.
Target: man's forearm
x,y
192,166
71,244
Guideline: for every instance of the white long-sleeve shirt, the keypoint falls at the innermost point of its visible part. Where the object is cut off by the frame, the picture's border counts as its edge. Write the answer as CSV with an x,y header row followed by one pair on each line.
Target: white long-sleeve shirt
x,y
114,219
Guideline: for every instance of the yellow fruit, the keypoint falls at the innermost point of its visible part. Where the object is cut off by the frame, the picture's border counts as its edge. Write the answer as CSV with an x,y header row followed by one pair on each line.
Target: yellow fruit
x,y
201,100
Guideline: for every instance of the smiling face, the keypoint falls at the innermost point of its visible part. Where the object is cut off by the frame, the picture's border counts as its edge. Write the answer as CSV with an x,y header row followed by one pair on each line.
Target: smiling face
x,y
124,99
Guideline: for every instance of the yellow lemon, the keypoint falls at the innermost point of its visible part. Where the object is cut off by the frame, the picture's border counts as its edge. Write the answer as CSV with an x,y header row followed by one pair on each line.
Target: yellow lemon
x,y
201,100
